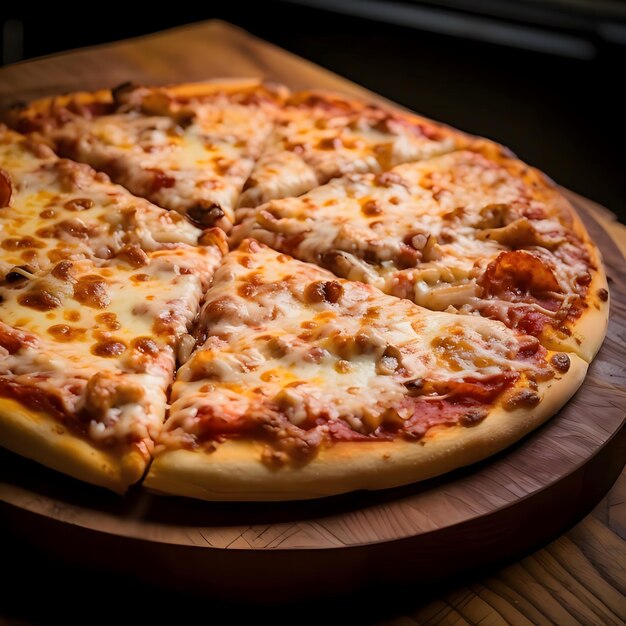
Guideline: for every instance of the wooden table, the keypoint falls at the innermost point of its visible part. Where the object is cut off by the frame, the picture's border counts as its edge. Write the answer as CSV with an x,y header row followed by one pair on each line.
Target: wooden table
x,y
579,577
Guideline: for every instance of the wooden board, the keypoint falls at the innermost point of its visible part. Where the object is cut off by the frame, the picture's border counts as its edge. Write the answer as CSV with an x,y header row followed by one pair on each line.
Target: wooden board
x,y
492,511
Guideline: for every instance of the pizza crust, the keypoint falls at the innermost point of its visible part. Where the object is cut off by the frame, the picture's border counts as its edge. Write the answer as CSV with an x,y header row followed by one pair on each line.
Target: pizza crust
x,y
40,437
182,90
234,471
588,330
42,107
227,85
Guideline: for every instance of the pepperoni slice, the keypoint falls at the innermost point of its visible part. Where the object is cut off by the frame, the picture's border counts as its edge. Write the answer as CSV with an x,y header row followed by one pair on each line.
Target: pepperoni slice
x,y
6,189
518,273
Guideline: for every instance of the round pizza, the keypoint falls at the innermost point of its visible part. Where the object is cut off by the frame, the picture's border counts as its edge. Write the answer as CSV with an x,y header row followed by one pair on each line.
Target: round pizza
x,y
231,291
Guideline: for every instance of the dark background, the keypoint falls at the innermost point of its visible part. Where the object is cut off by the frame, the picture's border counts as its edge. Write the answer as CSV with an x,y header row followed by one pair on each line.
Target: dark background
x,y
540,76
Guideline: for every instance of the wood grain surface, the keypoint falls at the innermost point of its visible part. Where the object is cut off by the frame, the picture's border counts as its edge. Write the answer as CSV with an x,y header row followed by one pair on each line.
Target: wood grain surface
x,y
530,492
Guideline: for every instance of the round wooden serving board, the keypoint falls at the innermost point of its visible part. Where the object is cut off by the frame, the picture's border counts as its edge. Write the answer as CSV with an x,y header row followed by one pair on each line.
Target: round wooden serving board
x,y
476,516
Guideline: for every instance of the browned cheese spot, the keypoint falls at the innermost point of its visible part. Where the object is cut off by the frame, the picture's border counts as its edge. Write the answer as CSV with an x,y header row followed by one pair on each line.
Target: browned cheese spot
x,y
39,300
371,208
108,320
78,204
473,417
323,291
109,348
71,316
62,270
91,291
133,255
72,227
21,243
520,398
342,366
146,345
64,332
140,278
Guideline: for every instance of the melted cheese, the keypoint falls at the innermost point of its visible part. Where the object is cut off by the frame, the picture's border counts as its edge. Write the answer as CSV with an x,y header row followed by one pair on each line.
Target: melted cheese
x,y
99,289
275,344
116,335
313,143
62,210
181,163
419,231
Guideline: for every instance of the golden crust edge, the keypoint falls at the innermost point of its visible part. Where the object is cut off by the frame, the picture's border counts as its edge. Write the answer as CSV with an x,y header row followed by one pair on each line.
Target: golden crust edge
x,y
38,436
235,472
588,330
207,87
14,113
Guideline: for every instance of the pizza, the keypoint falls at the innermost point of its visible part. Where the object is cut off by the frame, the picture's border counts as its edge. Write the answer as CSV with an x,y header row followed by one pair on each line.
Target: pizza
x,y
99,291
310,385
319,136
474,231
229,291
188,148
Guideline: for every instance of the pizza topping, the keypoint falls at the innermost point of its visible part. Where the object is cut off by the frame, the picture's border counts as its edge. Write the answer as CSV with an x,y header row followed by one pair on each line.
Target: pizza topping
x,y
523,398
108,348
133,255
40,299
91,291
62,270
64,332
293,353
473,417
371,208
73,228
106,391
186,345
521,233
13,243
13,340
560,361
19,274
146,345
101,289
161,180
33,397
78,204
6,189
517,274
205,216
323,291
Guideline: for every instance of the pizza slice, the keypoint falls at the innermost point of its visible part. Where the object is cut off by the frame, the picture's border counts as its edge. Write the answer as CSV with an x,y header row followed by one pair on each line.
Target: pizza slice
x,y
188,148
54,209
319,136
308,385
473,231
98,290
